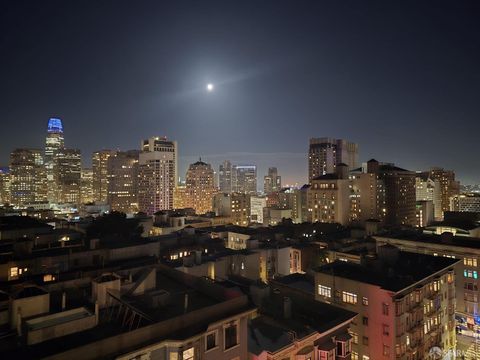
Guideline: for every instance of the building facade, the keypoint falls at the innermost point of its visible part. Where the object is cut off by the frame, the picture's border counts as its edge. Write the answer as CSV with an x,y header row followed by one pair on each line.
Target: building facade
x,y
27,177
157,174
325,153
467,270
399,317
100,174
449,187
122,175
465,202
245,179
225,177
328,198
86,186
272,182
68,174
200,187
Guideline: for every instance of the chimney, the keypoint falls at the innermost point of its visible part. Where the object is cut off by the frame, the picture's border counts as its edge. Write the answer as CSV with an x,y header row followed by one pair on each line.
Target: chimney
x,y
19,321
287,307
185,303
96,312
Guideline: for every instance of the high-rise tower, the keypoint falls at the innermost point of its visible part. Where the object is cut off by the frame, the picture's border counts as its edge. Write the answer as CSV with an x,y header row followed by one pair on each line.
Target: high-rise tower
x,y
225,177
27,177
200,187
272,182
325,153
157,174
53,144
100,180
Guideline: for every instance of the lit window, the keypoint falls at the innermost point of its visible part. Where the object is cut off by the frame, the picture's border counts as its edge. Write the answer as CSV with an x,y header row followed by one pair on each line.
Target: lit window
x,y
365,301
48,278
188,354
14,272
386,350
349,298
324,291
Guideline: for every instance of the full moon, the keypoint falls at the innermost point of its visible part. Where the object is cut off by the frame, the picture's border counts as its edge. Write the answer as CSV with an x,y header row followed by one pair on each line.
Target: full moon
x,y
210,87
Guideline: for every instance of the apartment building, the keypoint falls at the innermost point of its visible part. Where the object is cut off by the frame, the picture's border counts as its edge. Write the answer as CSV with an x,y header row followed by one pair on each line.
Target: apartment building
x,y
405,302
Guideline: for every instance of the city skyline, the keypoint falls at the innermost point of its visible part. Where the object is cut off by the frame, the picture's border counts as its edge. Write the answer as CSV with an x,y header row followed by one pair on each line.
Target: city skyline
x,y
409,87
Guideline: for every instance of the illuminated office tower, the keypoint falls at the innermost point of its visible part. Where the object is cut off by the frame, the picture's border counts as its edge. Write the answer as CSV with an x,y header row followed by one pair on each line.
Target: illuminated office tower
x,y
122,174
225,177
86,186
53,144
449,187
325,153
244,179
27,177
100,181
68,171
4,185
199,187
157,174
272,182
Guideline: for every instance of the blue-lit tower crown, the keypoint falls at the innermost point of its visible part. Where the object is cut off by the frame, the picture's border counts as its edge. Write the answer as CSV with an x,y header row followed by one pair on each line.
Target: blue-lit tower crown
x,y
55,125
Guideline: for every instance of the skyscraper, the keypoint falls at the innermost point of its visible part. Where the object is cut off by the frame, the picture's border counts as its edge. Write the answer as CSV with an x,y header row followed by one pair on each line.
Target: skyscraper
x,y
325,153
86,186
53,144
157,174
122,173
225,177
244,179
27,177
100,181
4,185
272,182
68,171
199,187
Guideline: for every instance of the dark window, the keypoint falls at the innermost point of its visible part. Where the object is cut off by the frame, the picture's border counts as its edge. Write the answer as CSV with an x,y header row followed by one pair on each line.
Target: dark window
x,y
365,321
365,340
211,341
230,336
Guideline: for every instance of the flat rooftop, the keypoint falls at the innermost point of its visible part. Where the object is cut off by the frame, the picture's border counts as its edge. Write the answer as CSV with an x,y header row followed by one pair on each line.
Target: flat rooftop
x,y
58,318
298,281
417,236
408,269
272,332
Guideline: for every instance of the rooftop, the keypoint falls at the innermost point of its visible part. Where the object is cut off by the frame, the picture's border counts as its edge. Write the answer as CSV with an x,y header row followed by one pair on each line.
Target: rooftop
x,y
272,331
394,275
419,237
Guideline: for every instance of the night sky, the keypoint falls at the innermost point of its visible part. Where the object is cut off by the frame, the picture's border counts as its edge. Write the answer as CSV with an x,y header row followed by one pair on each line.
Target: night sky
x,y
402,79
